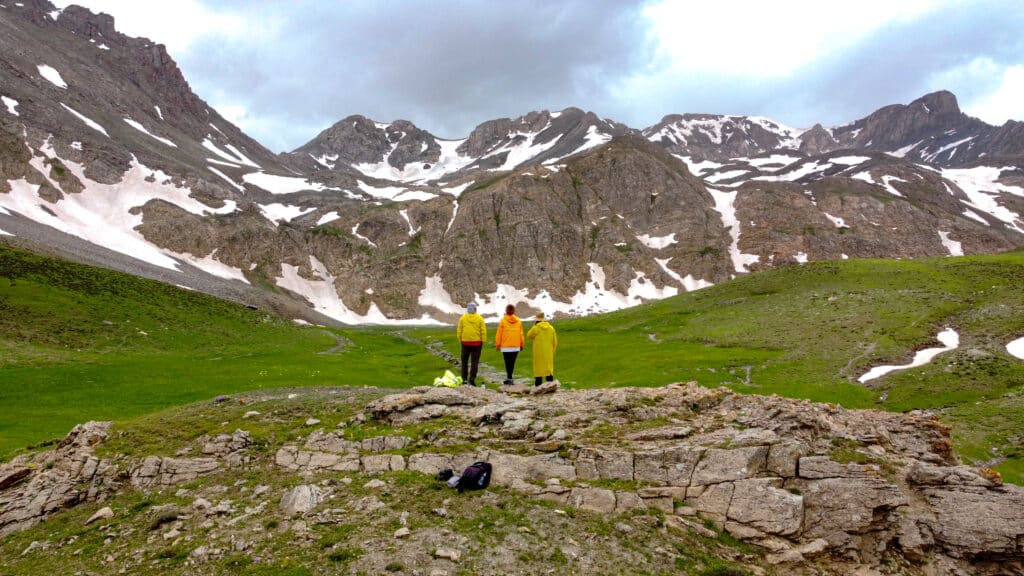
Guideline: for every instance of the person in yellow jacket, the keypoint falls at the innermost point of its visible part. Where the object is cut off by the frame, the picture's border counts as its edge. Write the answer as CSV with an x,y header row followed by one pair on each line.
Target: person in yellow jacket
x,y
472,333
545,342
509,339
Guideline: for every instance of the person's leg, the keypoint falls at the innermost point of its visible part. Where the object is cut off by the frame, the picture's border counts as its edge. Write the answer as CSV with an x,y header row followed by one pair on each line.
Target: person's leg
x,y
510,363
465,363
474,363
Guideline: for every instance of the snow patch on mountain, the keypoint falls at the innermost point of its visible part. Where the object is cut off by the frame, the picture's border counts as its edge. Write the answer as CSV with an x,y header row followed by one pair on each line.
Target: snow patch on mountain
x,y
405,215
328,218
355,232
234,157
321,293
142,129
10,104
449,161
839,222
982,188
954,247
689,283
657,242
226,178
396,193
88,121
278,213
522,148
211,265
725,205
593,138
50,74
276,184
103,213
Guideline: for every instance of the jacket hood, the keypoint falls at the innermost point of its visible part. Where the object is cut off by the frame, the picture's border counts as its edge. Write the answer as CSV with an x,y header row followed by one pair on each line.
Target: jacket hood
x,y
511,319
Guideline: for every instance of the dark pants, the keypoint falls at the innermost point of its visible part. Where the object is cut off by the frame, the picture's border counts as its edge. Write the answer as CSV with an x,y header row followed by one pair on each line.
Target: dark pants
x,y
510,362
537,380
470,353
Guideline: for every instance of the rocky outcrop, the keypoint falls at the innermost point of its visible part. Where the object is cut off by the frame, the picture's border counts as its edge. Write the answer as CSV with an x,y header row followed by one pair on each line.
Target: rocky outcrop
x,y
812,484
34,487
767,470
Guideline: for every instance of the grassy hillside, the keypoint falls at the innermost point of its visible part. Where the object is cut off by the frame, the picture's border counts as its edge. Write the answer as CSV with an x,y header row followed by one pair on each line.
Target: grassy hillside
x,y
809,331
80,343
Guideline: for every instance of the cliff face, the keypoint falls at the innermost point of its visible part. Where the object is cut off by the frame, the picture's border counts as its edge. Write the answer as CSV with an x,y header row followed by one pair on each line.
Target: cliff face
x,y
811,487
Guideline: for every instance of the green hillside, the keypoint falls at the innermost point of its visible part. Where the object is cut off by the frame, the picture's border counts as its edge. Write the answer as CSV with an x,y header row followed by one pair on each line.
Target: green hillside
x,y
809,331
79,343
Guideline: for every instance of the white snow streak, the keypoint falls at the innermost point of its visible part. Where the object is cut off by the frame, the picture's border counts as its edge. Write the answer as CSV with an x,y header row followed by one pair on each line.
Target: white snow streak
x,y
355,232
689,283
405,215
226,178
142,129
954,247
88,122
212,266
948,337
839,222
237,158
725,205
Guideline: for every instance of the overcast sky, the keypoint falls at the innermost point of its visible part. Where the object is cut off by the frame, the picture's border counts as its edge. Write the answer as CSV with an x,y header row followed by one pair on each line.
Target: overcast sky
x,y
284,71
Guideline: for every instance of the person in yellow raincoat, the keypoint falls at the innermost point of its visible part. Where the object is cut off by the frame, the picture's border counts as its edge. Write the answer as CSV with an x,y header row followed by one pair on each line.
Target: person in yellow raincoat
x,y
472,333
545,342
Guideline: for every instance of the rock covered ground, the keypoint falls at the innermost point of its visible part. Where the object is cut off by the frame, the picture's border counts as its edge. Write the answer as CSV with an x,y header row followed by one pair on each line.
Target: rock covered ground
x,y
673,480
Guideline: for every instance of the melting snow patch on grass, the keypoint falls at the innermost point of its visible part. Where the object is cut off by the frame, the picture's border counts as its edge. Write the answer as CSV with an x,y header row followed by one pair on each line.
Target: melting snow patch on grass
x,y
1016,348
948,337
278,213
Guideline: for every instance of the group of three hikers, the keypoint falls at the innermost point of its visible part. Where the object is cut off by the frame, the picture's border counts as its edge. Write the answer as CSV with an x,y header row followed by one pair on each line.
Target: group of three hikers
x,y
472,334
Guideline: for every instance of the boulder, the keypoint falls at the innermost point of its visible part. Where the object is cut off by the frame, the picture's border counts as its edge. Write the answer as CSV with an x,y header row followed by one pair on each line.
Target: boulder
x,y
718,465
762,504
301,499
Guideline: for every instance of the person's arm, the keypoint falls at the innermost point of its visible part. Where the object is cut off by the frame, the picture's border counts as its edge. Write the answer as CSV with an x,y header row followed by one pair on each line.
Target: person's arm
x,y
532,334
483,331
554,342
522,340
497,335
458,331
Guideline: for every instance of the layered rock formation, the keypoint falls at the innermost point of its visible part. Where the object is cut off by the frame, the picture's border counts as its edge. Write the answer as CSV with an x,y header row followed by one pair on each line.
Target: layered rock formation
x,y
812,485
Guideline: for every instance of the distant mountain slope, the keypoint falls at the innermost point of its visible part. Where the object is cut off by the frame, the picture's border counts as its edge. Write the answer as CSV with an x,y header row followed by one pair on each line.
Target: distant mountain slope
x,y
106,155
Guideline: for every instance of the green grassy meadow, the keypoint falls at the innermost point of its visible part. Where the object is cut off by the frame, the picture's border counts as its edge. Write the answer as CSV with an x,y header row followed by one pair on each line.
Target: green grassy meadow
x,y
79,343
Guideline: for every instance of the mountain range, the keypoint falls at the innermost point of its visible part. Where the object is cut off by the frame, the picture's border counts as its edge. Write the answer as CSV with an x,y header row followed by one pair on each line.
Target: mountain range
x,y
108,157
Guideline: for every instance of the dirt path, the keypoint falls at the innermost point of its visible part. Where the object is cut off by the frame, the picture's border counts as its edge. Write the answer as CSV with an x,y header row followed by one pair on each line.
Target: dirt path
x,y
340,343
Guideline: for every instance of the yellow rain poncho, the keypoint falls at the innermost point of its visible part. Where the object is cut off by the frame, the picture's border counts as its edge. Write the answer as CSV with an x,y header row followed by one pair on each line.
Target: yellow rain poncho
x,y
545,342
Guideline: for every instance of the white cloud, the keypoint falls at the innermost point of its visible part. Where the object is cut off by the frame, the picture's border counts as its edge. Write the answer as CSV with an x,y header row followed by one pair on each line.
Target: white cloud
x,y
1006,102
766,39
177,24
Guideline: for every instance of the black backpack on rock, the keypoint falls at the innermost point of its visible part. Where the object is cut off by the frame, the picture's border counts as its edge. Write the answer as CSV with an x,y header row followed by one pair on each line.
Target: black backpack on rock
x,y
476,476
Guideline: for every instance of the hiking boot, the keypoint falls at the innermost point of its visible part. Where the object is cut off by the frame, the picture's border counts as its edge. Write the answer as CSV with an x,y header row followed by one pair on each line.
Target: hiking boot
x,y
507,383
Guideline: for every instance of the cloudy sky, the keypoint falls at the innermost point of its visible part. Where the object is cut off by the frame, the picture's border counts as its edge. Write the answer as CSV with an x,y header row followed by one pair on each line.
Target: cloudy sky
x,y
284,71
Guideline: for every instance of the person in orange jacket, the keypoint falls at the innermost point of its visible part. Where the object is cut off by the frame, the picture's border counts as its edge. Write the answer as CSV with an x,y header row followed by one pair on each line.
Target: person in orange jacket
x,y
510,340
